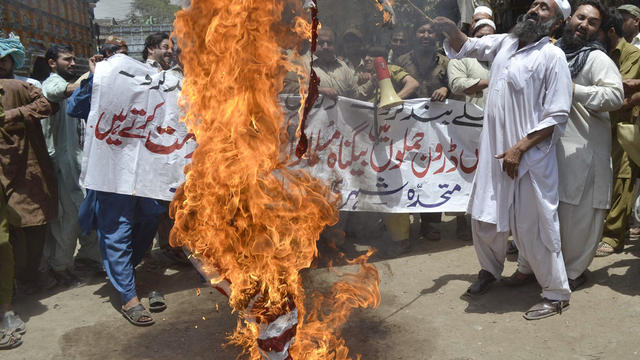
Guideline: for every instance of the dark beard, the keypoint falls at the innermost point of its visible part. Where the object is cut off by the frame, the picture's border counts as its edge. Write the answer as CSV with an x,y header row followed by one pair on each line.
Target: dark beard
x,y
571,42
67,75
528,32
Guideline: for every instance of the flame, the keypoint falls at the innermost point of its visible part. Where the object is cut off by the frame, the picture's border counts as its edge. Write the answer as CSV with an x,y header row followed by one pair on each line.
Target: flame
x,y
241,211
385,8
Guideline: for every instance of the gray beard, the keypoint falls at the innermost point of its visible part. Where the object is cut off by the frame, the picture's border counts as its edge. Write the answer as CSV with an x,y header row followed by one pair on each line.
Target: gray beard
x,y
528,32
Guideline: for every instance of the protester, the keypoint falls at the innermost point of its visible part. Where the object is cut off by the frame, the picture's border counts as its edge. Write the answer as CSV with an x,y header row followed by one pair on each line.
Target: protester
x,y
403,83
480,13
336,78
631,18
10,325
158,51
62,134
27,180
353,50
125,225
429,67
516,185
470,77
9,56
627,59
398,46
121,45
584,151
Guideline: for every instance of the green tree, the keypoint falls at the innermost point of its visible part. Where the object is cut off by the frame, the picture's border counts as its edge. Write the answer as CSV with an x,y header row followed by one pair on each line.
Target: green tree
x,y
157,10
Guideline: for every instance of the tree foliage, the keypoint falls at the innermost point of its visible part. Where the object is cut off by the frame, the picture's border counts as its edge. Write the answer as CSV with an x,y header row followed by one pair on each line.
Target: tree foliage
x,y
157,10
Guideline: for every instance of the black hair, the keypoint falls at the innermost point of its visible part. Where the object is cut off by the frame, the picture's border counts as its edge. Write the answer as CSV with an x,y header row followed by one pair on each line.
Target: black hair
x,y
598,5
153,41
55,50
107,49
375,51
615,21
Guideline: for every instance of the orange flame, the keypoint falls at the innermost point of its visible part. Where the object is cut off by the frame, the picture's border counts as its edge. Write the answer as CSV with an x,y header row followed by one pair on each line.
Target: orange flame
x,y
241,210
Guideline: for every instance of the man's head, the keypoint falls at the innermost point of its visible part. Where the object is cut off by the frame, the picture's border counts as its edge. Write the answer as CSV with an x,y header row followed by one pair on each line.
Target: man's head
x,y
612,30
158,47
11,56
372,53
481,12
120,46
108,50
631,20
543,18
426,37
585,23
399,42
483,27
326,46
352,43
61,60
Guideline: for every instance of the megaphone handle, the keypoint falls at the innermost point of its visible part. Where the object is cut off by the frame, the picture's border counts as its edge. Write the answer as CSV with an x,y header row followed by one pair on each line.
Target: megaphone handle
x,y
376,128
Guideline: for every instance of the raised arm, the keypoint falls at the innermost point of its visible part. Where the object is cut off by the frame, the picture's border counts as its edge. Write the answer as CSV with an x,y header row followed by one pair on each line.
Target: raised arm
x,y
456,37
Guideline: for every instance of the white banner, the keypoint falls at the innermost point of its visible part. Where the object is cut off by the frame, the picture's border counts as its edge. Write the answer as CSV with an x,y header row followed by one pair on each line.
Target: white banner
x,y
420,157
135,143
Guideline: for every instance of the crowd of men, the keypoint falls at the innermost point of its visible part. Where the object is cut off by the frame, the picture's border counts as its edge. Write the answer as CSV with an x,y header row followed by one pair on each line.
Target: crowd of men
x,y
551,172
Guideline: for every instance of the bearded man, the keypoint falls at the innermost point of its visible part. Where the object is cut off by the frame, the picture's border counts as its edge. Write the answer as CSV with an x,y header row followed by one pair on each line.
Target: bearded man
x,y
63,135
584,151
516,185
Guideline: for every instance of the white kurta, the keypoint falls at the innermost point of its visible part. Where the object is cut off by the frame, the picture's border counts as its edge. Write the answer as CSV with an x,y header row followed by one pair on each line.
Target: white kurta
x,y
529,90
584,161
465,73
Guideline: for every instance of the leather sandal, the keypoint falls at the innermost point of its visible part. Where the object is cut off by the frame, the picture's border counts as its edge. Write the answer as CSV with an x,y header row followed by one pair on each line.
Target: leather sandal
x,y
518,279
545,309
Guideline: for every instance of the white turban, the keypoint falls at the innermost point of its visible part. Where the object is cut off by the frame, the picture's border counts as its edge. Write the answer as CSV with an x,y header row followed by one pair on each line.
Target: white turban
x,y
483,10
483,22
565,7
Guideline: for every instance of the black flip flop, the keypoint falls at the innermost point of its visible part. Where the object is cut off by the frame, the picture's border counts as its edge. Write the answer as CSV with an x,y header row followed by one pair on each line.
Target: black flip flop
x,y
135,314
157,302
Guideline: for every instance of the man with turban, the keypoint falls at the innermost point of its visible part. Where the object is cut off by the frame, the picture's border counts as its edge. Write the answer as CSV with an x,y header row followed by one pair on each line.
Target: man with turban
x,y
27,179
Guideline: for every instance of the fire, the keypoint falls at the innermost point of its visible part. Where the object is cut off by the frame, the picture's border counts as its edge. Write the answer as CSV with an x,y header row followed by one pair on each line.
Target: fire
x,y
248,218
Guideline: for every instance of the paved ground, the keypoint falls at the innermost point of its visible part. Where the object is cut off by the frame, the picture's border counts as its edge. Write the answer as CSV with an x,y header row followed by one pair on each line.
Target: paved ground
x,y
422,315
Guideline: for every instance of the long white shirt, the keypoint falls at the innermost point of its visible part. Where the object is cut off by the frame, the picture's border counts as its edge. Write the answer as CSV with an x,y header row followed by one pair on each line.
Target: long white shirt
x,y
529,90
586,142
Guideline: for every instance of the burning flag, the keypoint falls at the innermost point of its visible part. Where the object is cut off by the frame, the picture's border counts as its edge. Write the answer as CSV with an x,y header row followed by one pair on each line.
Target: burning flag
x,y
250,222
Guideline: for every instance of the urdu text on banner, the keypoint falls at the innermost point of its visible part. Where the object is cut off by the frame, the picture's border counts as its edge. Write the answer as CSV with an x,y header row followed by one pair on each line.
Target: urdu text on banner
x,y
417,157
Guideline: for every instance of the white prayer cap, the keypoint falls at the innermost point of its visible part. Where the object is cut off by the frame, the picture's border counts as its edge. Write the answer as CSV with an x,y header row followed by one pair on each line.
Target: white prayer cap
x,y
565,7
483,10
483,22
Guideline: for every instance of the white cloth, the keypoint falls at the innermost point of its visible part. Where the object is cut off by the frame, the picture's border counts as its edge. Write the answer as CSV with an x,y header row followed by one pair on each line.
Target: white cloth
x,y
546,265
466,8
465,73
529,90
565,7
636,41
483,22
31,81
483,10
586,143
581,229
584,161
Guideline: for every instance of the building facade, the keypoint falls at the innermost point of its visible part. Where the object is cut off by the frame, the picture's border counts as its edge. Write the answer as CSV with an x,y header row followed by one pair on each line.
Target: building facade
x,y
40,23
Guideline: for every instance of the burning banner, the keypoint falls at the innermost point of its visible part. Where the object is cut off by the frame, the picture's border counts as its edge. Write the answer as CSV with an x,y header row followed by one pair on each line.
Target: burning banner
x,y
251,221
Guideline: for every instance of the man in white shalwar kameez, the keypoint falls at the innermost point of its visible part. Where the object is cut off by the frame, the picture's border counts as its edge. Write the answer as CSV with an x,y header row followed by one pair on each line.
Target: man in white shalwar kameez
x,y
516,183
584,151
